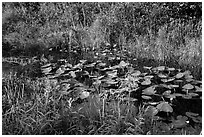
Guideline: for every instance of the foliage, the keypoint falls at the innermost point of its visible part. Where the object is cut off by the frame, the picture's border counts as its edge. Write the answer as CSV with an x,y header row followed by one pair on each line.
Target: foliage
x,y
99,98
101,68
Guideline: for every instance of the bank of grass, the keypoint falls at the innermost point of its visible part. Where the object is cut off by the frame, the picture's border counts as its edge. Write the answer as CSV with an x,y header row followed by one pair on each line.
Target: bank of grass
x,y
32,107
36,107
176,45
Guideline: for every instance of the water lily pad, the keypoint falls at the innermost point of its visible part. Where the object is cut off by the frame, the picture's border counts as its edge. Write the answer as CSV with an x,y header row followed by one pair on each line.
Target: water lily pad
x,y
189,79
198,89
197,82
146,82
164,106
149,90
178,94
180,122
188,86
193,94
162,75
166,93
194,116
147,67
173,86
148,77
179,81
170,79
160,68
171,69
153,103
187,96
136,73
91,65
197,119
191,114
179,75
187,73
146,97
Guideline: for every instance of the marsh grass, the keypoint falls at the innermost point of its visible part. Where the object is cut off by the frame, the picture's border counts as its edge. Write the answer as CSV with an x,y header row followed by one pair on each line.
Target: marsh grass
x,y
35,107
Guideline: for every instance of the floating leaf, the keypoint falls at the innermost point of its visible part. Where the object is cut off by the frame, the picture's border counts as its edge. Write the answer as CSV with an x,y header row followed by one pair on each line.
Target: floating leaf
x,y
171,96
167,80
149,90
191,114
162,75
193,94
187,96
180,122
148,77
198,89
178,94
179,75
197,119
160,68
146,82
146,97
170,69
189,80
168,92
188,86
147,67
164,106
197,82
91,65
187,73
173,86
136,73
179,81
153,103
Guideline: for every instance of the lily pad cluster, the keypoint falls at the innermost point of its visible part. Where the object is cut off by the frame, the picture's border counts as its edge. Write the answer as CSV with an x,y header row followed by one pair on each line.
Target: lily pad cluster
x,y
157,87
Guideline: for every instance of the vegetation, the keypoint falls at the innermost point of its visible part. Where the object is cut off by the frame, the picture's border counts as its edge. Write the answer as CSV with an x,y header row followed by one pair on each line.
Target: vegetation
x,y
101,68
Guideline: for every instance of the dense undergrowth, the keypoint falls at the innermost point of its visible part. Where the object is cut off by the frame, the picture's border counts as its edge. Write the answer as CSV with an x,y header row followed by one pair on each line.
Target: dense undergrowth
x,y
99,98
101,68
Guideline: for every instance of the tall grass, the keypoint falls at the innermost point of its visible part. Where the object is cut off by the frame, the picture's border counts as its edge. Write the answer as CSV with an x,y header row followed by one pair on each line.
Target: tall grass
x,y
33,107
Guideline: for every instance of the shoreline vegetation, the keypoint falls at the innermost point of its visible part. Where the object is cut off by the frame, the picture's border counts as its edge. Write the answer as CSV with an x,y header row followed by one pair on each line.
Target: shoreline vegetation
x,y
101,68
